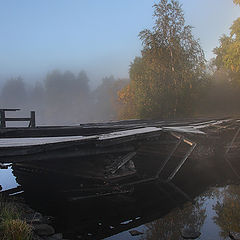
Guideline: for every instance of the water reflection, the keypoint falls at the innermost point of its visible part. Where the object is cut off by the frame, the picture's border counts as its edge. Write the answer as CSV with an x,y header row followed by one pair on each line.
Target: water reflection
x,y
114,216
227,210
168,228
7,180
158,210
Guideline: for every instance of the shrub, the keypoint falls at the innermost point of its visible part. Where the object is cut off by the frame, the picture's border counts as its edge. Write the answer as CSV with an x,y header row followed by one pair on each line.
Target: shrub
x,y
16,229
8,210
11,225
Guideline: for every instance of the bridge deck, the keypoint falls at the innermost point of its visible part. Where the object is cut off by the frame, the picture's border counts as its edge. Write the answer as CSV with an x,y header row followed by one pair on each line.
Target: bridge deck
x,y
192,128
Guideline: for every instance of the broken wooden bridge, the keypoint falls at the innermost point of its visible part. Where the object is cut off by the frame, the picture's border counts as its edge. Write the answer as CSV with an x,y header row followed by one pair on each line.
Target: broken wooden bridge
x,y
101,159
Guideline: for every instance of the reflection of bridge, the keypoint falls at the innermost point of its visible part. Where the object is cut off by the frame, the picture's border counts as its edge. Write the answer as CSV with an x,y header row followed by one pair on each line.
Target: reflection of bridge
x,y
106,215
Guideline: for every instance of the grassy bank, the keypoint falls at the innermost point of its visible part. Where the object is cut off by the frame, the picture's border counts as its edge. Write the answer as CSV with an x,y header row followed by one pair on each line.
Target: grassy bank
x,y
12,225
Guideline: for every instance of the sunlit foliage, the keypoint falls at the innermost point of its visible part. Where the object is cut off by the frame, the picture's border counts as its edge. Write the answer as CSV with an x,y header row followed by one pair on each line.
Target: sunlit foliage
x,y
228,53
165,79
236,2
228,56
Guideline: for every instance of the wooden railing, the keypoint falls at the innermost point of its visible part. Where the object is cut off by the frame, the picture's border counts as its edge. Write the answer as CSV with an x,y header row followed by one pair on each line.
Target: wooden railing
x,y
4,119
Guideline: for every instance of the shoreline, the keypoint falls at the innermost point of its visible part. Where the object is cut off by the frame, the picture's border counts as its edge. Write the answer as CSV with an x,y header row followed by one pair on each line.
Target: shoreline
x,y
19,218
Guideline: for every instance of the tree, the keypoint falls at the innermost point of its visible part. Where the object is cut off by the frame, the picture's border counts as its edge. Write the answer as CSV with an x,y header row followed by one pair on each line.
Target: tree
x,y
66,97
228,53
14,93
236,2
107,106
164,80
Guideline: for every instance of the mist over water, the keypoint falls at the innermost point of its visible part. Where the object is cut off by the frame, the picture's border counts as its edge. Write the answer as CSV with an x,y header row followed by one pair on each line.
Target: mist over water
x,y
62,98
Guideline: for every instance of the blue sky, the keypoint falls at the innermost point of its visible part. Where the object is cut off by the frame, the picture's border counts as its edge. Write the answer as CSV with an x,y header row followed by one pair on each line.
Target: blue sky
x,y
100,36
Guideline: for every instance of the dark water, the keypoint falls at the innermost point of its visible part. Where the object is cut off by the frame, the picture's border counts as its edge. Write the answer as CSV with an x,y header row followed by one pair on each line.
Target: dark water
x,y
157,210
206,215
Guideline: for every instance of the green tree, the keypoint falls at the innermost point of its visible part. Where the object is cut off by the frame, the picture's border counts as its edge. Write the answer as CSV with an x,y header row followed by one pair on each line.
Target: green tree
x,y
228,53
164,80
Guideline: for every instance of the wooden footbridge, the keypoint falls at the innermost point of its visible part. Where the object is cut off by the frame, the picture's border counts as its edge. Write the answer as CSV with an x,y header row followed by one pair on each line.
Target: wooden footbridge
x,y
145,167
111,158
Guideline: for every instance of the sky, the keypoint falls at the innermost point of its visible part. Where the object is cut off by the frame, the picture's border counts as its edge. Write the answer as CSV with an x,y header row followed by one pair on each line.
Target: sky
x,y
98,36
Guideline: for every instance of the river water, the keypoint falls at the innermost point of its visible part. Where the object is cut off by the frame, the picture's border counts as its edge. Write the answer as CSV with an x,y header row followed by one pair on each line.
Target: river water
x,y
154,214
7,179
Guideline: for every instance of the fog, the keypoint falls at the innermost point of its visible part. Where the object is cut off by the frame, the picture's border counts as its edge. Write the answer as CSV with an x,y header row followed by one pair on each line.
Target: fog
x,y
63,98
101,38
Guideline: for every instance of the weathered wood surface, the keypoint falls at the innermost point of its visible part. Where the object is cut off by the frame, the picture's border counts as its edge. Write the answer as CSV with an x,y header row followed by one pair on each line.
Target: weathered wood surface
x,y
113,139
100,128
193,128
4,119
21,142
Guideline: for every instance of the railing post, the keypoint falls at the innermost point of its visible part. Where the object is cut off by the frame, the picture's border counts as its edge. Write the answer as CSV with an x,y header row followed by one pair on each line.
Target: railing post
x,y
2,116
33,120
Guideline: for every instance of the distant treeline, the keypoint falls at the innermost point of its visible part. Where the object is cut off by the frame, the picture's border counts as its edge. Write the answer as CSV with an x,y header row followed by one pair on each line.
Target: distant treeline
x,y
64,98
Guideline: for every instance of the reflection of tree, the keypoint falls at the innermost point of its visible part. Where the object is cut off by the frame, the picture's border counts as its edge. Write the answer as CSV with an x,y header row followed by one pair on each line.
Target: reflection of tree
x,y
168,228
228,211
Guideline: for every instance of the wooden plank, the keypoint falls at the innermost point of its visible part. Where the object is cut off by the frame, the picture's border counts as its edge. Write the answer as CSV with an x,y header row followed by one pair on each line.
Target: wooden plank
x,y
63,154
17,119
211,123
195,127
26,150
11,191
98,195
169,156
120,162
182,162
139,134
10,109
184,129
3,120
20,142
4,166
33,120
131,132
233,140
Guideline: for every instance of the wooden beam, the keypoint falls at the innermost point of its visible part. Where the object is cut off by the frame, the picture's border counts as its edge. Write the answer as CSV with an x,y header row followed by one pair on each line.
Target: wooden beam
x,y
182,162
3,120
169,156
121,161
9,109
4,166
11,191
17,119
32,120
